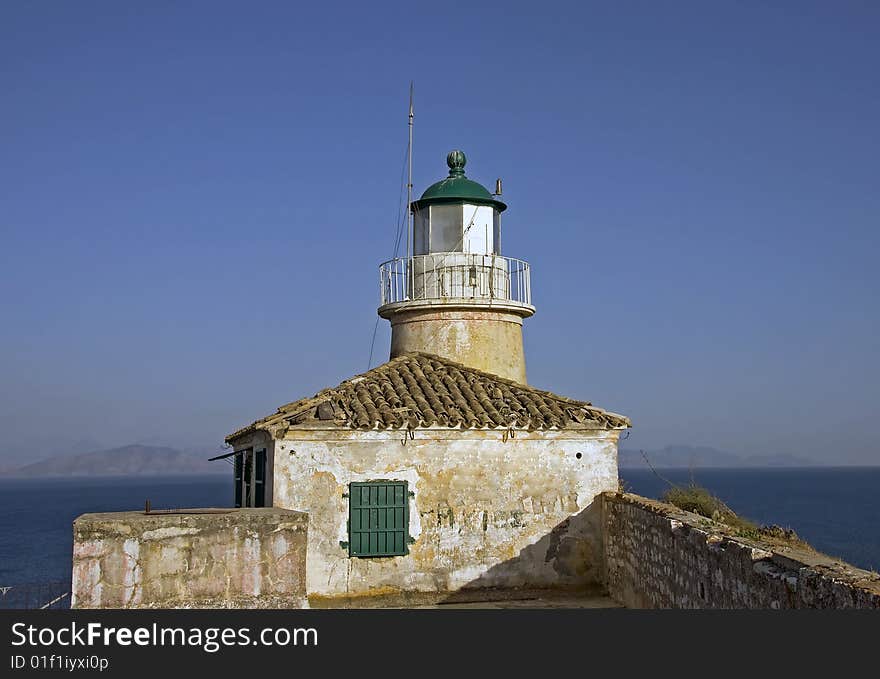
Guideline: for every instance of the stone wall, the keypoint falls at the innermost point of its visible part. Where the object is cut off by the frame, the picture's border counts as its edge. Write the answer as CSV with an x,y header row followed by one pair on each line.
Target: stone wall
x,y
657,556
241,558
487,510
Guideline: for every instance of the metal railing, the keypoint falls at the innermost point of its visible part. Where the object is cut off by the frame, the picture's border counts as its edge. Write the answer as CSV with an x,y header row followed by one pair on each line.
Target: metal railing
x,y
455,275
36,595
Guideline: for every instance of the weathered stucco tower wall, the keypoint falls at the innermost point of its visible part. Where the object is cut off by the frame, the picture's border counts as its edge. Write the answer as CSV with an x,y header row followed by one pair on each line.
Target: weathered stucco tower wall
x,y
455,295
483,339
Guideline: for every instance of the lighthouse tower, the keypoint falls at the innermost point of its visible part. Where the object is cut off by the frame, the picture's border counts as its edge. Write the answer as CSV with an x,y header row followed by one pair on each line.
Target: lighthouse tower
x,y
455,294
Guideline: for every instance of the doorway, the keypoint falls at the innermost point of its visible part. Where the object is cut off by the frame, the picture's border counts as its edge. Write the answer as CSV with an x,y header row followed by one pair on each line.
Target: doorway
x,y
250,478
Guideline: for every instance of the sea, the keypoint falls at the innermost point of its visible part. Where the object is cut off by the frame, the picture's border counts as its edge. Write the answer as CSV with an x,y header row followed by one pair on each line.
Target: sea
x,y
837,510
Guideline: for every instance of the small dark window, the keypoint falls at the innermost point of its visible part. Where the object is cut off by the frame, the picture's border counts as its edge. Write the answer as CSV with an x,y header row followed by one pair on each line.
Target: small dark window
x,y
250,478
378,518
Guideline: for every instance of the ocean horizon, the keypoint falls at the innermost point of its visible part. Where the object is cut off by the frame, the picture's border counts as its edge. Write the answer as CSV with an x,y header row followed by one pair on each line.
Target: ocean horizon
x,y
835,509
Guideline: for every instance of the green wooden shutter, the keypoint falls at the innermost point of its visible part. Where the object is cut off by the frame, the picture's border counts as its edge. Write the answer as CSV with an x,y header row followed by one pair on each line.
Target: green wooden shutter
x,y
260,479
238,470
247,466
378,518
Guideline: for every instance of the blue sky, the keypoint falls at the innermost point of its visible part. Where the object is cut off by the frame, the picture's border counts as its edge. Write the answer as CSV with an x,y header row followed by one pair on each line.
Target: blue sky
x,y
195,197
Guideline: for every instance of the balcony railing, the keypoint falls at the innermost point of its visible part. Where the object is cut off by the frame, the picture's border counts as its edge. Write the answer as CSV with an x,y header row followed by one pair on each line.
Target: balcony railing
x,y
455,275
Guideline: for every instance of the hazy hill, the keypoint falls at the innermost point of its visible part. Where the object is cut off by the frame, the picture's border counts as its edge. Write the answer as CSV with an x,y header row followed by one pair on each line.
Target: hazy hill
x,y
704,456
135,460
141,460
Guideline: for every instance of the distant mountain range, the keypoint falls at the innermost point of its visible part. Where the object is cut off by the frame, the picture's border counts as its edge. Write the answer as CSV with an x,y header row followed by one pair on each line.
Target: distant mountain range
x,y
133,460
142,460
704,456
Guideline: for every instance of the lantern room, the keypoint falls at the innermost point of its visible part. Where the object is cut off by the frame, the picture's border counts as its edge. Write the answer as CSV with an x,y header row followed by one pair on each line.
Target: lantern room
x,y
454,294
457,214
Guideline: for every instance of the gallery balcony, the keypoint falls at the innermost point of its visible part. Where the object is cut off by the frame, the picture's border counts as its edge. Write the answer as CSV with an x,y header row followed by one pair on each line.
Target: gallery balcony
x,y
447,279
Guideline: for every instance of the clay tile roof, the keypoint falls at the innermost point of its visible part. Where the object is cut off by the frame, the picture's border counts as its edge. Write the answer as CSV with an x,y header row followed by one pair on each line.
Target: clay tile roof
x,y
423,390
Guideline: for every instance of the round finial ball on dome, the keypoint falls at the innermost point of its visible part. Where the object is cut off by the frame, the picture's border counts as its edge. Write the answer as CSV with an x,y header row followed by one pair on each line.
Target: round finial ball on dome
x,y
456,161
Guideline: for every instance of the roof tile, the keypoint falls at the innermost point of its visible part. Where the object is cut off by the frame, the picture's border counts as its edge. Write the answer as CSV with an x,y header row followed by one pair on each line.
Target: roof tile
x,y
423,390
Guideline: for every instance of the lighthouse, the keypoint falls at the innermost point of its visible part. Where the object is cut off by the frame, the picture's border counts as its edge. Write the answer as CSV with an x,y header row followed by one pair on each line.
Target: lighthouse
x,y
440,469
455,294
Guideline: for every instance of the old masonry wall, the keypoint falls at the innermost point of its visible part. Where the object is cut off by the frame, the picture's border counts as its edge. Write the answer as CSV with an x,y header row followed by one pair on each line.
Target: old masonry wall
x,y
658,556
242,558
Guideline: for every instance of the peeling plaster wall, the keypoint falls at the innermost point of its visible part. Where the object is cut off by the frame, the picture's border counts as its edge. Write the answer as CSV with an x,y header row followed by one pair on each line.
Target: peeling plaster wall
x,y
485,513
658,556
486,340
245,558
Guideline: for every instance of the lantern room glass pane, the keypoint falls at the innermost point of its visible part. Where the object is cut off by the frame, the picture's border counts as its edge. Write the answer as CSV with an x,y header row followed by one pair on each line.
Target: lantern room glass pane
x,y
420,232
496,233
477,229
446,228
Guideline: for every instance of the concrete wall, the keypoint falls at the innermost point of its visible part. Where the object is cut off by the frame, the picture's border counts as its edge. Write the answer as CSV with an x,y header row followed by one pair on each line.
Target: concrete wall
x,y
658,556
486,512
247,558
486,340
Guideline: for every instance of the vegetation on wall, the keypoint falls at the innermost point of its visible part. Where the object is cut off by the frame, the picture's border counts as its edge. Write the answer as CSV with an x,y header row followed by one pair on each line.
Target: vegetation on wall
x,y
698,500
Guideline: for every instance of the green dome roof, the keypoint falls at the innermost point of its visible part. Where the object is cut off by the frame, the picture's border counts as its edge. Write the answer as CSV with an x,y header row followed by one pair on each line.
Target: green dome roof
x,y
457,188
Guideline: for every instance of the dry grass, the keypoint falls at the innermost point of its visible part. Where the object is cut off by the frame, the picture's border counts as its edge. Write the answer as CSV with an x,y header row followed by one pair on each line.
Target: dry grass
x,y
696,499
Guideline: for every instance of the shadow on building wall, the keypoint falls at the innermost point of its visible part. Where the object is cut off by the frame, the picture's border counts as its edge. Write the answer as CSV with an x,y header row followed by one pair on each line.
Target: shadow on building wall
x,y
569,558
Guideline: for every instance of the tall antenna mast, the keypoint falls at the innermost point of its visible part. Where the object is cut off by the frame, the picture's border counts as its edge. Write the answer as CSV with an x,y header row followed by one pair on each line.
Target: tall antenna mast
x,y
409,182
